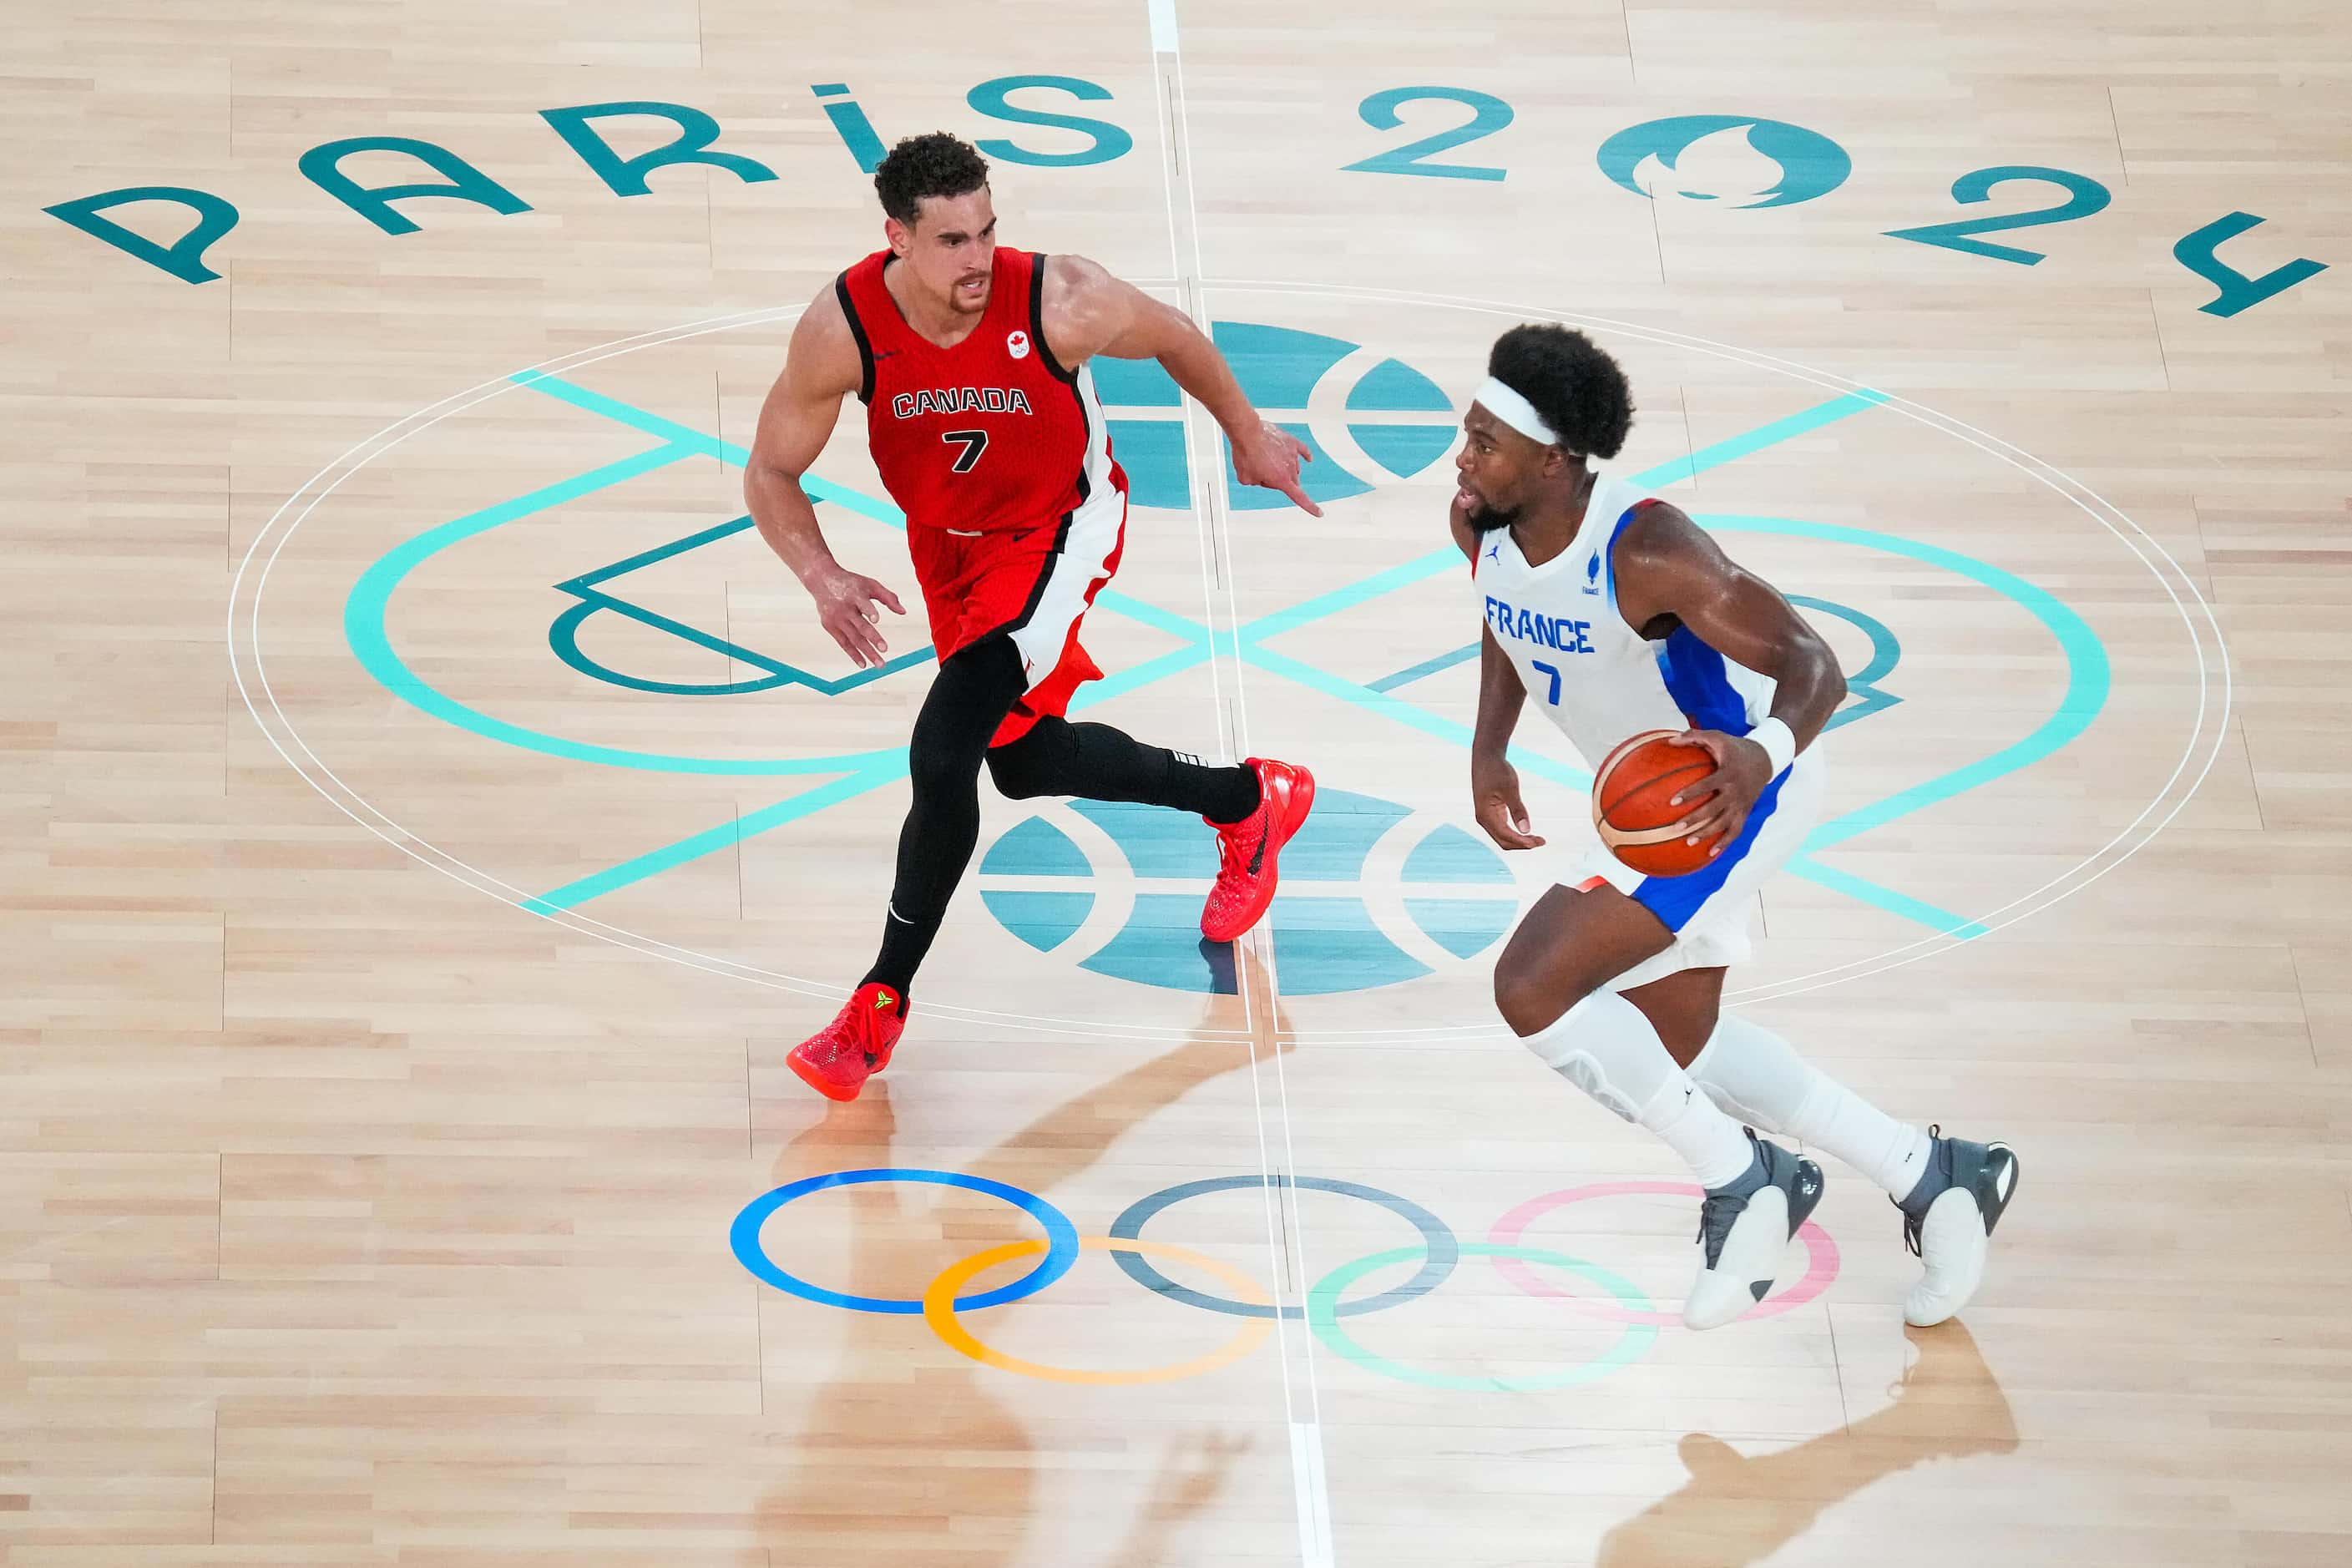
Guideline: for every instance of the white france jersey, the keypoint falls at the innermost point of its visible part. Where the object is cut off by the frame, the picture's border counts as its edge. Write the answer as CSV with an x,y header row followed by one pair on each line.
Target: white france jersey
x,y
1594,676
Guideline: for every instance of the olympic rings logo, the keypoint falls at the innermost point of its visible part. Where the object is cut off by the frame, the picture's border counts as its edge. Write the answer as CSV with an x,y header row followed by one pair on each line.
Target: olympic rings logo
x,y
1439,1253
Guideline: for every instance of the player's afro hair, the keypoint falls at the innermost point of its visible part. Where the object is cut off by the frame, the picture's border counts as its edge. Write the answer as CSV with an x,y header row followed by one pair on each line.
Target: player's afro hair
x,y
934,164
1572,382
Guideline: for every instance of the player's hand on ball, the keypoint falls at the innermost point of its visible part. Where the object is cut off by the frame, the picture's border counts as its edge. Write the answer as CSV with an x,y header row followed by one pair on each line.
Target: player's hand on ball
x,y
1742,769
1269,458
1495,795
846,606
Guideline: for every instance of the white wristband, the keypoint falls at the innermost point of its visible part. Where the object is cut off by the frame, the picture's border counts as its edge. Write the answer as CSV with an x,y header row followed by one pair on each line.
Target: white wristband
x,y
1780,743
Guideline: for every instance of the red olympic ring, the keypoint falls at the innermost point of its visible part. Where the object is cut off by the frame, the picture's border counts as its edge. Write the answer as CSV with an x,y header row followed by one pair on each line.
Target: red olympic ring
x,y
1821,1251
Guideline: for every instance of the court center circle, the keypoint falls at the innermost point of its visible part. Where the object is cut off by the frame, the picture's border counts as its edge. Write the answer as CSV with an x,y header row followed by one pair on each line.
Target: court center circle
x,y
1060,1246
249,670
1441,1247
1323,1316
1821,1255
939,1308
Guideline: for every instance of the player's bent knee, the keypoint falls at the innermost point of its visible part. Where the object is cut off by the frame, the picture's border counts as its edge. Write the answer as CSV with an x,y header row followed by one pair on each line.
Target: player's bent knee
x,y
1015,772
1530,1002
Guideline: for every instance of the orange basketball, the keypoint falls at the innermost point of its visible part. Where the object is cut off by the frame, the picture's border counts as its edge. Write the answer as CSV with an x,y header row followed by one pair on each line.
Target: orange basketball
x,y
1632,791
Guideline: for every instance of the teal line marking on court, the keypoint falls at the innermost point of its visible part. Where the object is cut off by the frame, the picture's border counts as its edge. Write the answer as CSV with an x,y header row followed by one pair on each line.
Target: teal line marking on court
x,y
1356,593
1943,923
2088,675
364,628
711,840
1407,713
1437,561
1121,682
1885,652
1803,422
698,442
563,634
658,553
1427,666
563,639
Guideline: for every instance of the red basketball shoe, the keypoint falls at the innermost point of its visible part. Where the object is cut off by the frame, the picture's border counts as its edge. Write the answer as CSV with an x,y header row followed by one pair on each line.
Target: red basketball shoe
x,y
838,1060
1249,851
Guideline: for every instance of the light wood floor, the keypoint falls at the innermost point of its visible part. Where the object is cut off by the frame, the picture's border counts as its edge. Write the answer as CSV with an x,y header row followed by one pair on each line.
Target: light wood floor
x,y
394,1024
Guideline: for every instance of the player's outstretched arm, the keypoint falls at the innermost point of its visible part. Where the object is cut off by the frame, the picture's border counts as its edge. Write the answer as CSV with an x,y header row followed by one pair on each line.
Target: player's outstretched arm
x,y
821,368
1666,565
1088,313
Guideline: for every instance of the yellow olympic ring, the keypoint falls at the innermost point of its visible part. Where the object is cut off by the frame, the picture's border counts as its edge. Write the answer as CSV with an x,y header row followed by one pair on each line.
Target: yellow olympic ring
x,y
940,1312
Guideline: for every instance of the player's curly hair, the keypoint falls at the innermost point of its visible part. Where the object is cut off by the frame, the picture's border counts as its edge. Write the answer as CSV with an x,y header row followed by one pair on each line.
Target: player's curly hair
x,y
1572,382
933,165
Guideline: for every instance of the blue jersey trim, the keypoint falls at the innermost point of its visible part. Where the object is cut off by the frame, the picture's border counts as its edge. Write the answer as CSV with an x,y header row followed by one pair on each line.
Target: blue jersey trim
x,y
1700,686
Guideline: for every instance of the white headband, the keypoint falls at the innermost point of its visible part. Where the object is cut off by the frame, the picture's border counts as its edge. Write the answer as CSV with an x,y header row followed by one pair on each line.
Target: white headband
x,y
1515,410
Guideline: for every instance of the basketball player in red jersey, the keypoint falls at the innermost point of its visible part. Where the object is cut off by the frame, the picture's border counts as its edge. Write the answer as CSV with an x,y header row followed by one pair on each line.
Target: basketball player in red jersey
x,y
971,359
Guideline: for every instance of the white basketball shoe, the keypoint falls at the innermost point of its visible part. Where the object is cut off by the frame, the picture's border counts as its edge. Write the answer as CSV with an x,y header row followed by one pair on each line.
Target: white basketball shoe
x,y
1951,1231
1745,1228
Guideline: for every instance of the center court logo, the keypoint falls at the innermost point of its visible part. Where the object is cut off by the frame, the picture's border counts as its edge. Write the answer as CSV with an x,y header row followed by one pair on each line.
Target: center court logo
x,y
1372,893
1728,158
1121,888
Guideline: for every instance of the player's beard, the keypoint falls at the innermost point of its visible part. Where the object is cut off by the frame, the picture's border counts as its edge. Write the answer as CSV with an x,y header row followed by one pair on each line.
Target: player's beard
x,y
1486,518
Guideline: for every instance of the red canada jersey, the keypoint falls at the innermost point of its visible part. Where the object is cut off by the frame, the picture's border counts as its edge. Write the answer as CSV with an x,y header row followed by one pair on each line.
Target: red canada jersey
x,y
992,435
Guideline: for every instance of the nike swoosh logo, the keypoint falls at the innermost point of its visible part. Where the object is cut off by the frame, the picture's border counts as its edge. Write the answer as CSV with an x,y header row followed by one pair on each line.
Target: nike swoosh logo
x,y
870,1059
1257,857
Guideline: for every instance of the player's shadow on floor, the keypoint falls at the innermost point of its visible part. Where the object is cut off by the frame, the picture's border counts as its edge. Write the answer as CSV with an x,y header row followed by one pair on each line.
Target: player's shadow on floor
x,y
1737,1511
912,1458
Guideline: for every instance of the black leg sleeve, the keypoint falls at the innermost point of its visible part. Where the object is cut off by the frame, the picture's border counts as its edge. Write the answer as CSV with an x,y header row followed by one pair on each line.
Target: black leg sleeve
x,y
1096,761
975,689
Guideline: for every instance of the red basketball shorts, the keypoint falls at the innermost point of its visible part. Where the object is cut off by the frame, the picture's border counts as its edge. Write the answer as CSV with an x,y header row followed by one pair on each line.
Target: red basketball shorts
x,y
1034,585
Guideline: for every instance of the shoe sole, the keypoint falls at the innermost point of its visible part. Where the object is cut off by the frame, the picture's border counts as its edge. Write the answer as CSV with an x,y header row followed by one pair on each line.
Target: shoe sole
x,y
831,1090
1302,801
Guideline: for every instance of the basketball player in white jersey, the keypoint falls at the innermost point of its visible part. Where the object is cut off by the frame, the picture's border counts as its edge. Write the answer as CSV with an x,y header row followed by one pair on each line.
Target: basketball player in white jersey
x,y
1613,612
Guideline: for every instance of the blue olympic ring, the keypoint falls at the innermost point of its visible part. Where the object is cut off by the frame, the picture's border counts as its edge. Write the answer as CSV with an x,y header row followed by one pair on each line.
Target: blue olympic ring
x,y
1061,1237
1444,1248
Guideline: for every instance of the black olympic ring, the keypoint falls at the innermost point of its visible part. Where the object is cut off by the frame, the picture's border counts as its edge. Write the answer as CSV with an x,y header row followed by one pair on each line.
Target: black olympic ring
x,y
1444,1250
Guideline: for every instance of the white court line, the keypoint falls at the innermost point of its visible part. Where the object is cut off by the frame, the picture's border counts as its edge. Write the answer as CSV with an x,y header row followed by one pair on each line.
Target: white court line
x,y
1308,1469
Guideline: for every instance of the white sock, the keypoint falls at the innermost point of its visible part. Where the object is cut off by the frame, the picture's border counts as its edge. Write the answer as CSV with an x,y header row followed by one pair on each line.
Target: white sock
x,y
1606,1047
1759,1077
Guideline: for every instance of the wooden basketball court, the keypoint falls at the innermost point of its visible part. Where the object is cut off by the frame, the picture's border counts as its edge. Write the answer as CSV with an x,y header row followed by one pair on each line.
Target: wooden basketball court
x,y
428,815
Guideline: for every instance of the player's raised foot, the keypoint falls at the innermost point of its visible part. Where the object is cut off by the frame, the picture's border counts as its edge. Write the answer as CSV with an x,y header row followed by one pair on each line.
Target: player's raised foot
x,y
838,1060
1745,1227
1249,852
1948,1222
